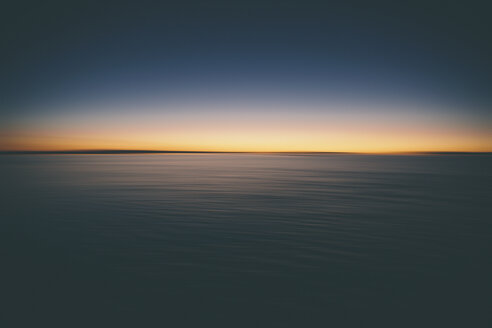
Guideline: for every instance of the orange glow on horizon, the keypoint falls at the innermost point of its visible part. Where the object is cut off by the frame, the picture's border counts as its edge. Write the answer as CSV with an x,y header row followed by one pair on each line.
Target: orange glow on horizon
x,y
321,137
249,130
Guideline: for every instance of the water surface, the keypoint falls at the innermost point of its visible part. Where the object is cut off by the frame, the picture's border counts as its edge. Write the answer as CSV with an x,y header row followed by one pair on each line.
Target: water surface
x,y
246,240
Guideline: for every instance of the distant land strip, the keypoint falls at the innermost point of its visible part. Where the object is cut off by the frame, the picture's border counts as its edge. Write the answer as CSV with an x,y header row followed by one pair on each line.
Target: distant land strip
x,y
129,152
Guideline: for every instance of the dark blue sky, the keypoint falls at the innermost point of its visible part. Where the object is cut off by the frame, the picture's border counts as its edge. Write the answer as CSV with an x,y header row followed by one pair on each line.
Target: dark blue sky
x,y
431,53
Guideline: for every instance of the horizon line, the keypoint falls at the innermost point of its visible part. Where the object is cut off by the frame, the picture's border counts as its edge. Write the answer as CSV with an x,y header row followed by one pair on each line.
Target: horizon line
x,y
143,151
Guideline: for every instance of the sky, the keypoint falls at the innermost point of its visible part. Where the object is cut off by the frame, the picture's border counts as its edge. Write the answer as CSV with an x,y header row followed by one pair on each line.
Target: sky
x,y
400,76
